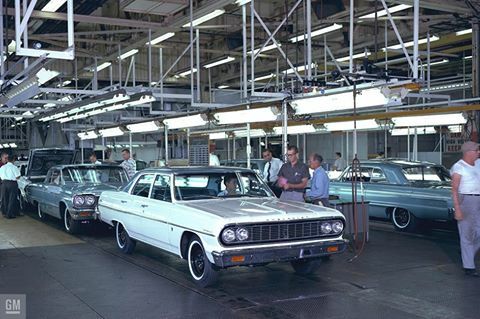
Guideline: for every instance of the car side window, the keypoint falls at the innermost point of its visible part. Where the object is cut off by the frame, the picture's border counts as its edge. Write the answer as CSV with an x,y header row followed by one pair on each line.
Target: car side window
x,y
378,176
161,188
363,175
143,185
55,177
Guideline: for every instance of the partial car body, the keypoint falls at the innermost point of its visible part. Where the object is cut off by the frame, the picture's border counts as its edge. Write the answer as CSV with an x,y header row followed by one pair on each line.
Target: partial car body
x,y
179,211
70,192
405,192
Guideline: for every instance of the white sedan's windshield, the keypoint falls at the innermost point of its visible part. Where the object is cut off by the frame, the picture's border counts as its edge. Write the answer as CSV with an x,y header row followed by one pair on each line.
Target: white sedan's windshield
x,y
219,185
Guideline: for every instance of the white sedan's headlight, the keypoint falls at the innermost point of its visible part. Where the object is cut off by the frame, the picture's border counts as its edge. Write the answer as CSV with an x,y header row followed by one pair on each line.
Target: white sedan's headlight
x,y
90,200
242,234
78,201
337,227
326,228
228,235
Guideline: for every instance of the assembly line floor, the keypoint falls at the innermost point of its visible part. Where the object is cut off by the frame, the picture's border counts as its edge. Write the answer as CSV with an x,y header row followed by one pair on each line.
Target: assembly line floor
x,y
85,276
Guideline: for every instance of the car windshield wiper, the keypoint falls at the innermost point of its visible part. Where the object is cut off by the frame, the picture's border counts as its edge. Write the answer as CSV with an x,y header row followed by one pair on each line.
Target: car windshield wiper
x,y
198,197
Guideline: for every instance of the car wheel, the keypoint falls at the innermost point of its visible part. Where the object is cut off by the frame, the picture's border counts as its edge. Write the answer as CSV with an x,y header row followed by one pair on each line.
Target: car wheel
x,y
41,215
306,266
71,226
403,220
124,242
201,270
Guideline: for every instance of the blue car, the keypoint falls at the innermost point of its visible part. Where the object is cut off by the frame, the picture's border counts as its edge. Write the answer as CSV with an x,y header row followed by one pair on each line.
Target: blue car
x,y
402,191
70,192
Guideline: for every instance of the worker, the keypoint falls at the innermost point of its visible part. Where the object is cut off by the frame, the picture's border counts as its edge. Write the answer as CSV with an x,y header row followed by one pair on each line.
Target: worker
x,y
466,200
320,184
340,163
9,174
270,171
213,159
293,177
93,159
3,161
128,163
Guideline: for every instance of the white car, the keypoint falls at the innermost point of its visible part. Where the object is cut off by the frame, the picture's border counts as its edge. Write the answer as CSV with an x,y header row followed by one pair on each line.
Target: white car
x,y
181,210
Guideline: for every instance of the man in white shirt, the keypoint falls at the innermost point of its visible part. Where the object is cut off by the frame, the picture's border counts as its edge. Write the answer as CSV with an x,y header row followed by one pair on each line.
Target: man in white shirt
x,y
9,174
94,160
466,200
213,159
270,171
128,163
340,163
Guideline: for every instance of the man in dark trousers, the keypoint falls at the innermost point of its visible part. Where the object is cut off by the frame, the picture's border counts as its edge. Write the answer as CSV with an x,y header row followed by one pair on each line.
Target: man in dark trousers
x,y
9,174
3,161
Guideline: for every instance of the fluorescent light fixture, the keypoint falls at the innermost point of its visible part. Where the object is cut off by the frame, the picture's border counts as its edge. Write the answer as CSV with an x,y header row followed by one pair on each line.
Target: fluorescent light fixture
x,y
144,127
253,133
103,66
186,121
144,99
355,56
455,128
6,145
343,101
267,48
300,68
89,135
45,75
410,43
128,54
411,131
219,62
13,145
111,132
96,112
187,73
463,32
348,125
435,63
265,77
429,120
218,136
53,5
161,38
64,83
242,2
265,114
318,32
383,12
205,18
468,57
221,87
296,129
447,87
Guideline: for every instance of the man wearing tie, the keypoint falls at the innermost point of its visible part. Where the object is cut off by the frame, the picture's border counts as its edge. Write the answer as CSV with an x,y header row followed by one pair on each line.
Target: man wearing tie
x,y
270,171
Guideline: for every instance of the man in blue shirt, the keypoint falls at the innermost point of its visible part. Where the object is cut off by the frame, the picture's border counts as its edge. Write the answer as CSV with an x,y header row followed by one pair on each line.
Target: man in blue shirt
x,y
320,183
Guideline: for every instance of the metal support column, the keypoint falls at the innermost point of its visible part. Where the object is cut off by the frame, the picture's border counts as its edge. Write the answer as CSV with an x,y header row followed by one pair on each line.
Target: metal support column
x,y
161,77
408,143
166,144
475,57
284,130
130,146
440,144
103,148
150,66
309,39
416,27
199,91
192,82
350,66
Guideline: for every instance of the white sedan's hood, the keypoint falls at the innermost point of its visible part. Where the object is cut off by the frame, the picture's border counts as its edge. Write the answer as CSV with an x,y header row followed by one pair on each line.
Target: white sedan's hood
x,y
261,209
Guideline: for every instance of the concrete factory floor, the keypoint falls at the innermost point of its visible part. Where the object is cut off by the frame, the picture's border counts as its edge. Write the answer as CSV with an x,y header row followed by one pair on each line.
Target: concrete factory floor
x,y
85,276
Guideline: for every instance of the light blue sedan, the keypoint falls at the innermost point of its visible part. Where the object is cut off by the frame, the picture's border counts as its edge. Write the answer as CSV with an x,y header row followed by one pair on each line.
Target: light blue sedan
x,y
402,191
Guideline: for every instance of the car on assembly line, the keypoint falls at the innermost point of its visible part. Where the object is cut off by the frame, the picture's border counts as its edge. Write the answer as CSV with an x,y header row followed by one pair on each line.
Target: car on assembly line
x,y
187,211
405,192
70,192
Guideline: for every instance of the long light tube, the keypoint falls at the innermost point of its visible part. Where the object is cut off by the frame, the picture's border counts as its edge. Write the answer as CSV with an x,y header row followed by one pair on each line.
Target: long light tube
x,y
318,32
296,129
383,12
218,136
144,127
103,66
348,125
247,116
429,120
111,132
161,38
407,131
253,133
410,43
267,48
186,121
128,54
205,18
89,135
53,5
220,62
355,56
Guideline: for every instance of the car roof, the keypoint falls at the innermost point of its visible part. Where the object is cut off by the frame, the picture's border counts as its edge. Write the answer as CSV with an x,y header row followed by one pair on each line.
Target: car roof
x,y
196,169
397,162
85,166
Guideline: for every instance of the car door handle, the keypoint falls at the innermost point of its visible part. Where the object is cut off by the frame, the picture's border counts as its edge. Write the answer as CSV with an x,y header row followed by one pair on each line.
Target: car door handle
x,y
144,205
123,201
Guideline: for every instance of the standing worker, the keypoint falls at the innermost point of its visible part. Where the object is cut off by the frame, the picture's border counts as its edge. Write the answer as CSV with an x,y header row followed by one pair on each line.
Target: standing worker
x,y
128,163
3,161
466,200
340,163
9,174
318,192
293,177
270,171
